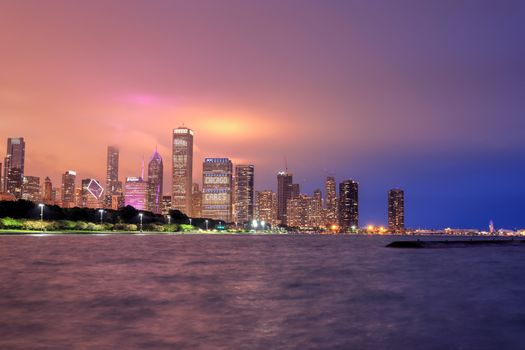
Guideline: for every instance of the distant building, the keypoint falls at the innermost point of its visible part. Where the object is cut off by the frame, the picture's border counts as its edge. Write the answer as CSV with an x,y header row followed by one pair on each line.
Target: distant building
x,y
47,191
331,202
68,189
182,170
136,193
284,193
297,211
31,189
196,201
92,194
296,190
111,175
14,166
244,193
348,205
315,210
217,189
57,196
266,207
155,179
396,211
166,205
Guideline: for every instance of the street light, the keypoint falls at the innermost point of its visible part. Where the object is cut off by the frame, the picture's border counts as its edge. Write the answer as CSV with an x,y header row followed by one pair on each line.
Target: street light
x,y
169,220
41,211
101,211
254,224
190,221
140,216
263,224
206,224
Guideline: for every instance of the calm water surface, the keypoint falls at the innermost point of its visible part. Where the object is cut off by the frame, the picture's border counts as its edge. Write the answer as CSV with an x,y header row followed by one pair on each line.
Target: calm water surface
x,y
256,292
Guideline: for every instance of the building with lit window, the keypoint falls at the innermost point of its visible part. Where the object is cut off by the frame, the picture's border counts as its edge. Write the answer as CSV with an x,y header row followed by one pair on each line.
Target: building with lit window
x,y
155,179
297,211
31,189
14,166
47,191
68,192
166,205
111,175
266,207
396,211
196,201
244,193
136,193
92,194
331,202
182,169
284,193
348,205
217,189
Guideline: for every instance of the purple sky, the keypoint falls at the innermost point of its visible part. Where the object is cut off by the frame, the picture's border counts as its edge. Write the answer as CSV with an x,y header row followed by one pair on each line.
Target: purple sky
x,y
424,95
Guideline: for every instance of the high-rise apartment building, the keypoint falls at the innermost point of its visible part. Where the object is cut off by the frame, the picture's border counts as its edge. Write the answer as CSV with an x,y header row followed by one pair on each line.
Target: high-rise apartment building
x,y
68,189
47,191
111,175
217,189
315,210
155,179
331,201
348,205
14,166
166,205
297,211
284,193
196,201
266,207
244,193
396,211
136,193
31,189
182,170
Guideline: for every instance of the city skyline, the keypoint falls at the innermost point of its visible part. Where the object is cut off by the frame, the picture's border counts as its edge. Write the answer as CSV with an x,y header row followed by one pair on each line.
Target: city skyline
x,y
436,111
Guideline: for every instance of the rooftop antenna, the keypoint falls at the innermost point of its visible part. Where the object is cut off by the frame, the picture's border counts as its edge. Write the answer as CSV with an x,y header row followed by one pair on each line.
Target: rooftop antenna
x,y
286,164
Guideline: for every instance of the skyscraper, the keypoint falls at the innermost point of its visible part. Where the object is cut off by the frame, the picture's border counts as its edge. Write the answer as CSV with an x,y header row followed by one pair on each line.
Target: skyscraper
x,y
111,174
136,193
14,166
182,170
315,210
92,194
297,211
348,205
331,201
31,189
68,189
196,201
155,178
284,193
396,211
217,189
244,193
266,207
47,191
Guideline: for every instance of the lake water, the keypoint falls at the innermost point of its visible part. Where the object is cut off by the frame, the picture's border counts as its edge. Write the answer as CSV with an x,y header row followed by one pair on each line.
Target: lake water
x,y
256,292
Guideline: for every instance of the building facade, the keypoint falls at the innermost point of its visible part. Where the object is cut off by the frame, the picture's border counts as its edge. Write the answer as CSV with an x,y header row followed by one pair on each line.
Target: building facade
x,y
331,202
196,201
136,193
47,191
217,189
396,211
244,193
31,189
266,207
284,193
155,180
68,192
349,205
14,166
111,175
182,169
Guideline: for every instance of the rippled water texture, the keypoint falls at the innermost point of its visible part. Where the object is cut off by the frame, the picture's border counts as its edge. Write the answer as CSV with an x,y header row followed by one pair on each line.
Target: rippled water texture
x,y
256,292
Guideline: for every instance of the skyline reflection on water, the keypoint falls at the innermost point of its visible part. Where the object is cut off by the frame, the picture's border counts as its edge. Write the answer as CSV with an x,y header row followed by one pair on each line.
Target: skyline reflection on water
x,y
256,292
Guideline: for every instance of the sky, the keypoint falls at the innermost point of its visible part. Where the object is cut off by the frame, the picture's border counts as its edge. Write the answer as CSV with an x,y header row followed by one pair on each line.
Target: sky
x,y
428,96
